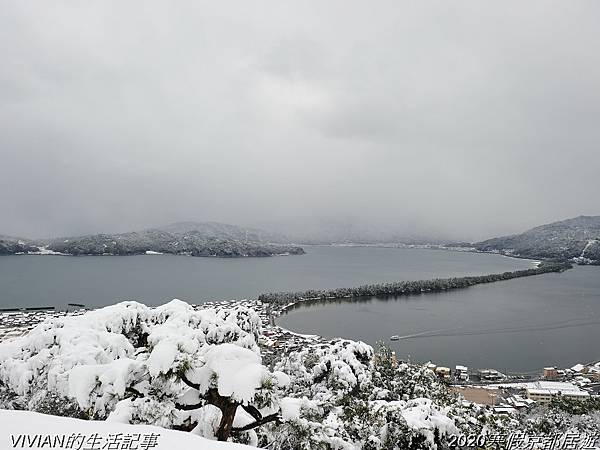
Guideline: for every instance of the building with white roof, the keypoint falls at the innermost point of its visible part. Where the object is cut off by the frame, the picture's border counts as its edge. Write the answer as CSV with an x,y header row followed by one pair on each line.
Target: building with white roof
x,y
462,373
545,391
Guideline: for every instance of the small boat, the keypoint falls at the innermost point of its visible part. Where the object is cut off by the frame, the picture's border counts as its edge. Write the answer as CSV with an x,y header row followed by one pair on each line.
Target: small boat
x,y
394,338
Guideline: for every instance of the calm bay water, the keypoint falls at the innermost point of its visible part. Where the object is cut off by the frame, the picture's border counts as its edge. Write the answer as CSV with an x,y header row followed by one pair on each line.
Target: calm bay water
x,y
103,280
519,325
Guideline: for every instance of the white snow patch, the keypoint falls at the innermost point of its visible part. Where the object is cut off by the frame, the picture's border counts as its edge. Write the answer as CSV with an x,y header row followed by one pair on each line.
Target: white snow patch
x,y
162,357
283,379
208,418
290,408
238,371
43,250
20,424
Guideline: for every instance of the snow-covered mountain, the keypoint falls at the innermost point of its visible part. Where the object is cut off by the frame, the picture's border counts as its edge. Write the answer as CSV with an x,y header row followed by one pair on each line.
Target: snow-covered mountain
x,y
220,230
186,238
10,245
575,239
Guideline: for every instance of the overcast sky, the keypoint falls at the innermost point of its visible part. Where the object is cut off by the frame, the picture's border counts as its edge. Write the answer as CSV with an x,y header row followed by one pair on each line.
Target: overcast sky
x,y
454,119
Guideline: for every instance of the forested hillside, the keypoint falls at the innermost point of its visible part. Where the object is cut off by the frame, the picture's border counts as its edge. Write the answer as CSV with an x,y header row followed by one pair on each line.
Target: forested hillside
x,y
576,239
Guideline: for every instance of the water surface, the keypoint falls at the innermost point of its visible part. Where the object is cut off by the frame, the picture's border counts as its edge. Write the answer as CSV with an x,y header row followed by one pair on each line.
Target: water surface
x,y
103,280
518,325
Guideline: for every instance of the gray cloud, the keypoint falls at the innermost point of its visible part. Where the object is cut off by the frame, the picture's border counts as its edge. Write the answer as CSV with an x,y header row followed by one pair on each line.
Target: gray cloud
x,y
463,120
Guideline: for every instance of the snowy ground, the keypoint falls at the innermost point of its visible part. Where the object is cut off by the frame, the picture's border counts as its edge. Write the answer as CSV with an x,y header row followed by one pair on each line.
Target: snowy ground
x,y
25,429
20,322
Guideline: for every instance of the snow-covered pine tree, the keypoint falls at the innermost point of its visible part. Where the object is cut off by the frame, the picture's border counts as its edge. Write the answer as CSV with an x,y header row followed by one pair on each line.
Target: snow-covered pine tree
x,y
353,397
171,366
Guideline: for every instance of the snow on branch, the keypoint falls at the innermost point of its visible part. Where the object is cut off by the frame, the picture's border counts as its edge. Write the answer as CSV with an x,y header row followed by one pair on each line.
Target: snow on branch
x,y
129,361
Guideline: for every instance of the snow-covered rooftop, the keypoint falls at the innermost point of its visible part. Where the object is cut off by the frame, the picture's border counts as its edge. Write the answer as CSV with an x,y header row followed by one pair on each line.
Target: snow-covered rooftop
x,y
577,367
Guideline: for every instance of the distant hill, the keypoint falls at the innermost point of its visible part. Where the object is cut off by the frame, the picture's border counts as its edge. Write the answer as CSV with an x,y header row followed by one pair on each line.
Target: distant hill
x,y
186,238
225,231
576,239
10,245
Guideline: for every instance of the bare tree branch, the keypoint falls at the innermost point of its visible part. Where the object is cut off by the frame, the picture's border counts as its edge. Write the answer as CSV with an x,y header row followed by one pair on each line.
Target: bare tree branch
x,y
270,418
255,413
134,391
188,407
189,383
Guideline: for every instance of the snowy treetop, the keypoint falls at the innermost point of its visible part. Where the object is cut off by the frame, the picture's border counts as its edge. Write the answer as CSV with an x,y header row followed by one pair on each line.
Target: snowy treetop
x,y
98,357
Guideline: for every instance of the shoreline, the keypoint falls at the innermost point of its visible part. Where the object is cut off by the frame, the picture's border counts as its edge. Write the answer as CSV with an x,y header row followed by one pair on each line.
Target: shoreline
x,y
275,339
150,253
441,247
405,288
22,321
435,247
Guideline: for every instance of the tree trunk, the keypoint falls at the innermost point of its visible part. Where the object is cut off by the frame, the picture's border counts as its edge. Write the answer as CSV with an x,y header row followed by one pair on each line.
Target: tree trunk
x,y
228,414
227,406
